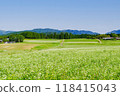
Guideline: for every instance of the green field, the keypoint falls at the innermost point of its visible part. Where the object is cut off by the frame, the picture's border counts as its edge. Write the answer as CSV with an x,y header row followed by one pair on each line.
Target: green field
x,y
52,59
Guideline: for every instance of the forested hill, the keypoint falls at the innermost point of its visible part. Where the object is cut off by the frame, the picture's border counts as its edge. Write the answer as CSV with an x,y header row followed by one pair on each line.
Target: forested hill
x,y
46,30
59,31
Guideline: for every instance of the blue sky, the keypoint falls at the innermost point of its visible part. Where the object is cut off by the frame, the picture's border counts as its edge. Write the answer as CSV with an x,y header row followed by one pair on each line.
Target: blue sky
x,y
95,15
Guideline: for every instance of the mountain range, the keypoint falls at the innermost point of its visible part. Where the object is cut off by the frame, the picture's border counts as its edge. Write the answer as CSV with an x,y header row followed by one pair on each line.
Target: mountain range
x,y
114,31
2,32
46,30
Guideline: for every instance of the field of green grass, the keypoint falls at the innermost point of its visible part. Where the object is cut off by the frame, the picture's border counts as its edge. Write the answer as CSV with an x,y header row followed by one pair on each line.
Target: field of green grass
x,y
81,40
52,59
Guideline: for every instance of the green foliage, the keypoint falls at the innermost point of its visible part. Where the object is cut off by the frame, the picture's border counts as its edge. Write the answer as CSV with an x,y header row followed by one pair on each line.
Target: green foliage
x,y
5,40
30,35
16,38
51,35
102,36
114,35
61,35
66,36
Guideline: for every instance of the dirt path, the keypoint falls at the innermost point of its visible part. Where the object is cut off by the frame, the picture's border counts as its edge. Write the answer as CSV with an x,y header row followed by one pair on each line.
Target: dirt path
x,y
99,41
61,44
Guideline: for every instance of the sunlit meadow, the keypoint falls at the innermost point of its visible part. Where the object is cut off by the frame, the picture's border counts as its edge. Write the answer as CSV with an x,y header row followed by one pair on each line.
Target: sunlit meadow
x,y
78,61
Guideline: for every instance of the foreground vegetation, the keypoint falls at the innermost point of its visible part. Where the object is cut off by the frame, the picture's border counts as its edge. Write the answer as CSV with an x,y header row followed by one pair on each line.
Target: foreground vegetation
x,y
59,60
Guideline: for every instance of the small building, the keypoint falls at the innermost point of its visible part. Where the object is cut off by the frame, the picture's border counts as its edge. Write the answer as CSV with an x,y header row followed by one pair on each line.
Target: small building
x,y
8,39
12,42
117,38
108,38
9,42
1,41
6,42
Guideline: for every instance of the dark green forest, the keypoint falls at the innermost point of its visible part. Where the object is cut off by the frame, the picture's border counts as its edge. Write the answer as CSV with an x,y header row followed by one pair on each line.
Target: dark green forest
x,y
51,35
64,35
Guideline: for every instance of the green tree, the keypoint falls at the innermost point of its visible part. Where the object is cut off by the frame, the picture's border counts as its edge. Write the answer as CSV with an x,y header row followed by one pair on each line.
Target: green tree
x,y
114,35
66,36
55,35
61,35
5,40
102,36
71,36
16,38
12,38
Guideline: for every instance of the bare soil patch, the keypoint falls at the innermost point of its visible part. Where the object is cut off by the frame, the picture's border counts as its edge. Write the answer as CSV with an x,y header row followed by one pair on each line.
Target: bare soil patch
x,y
17,46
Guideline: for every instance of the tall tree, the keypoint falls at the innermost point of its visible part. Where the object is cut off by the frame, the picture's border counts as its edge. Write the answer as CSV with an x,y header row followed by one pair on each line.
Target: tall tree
x,y
66,36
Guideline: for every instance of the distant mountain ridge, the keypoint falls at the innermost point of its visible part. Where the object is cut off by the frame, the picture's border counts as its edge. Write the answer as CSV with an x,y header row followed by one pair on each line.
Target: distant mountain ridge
x,y
40,30
114,31
2,32
58,31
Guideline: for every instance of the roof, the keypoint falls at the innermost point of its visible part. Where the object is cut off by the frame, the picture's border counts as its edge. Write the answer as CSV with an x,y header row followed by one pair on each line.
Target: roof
x,y
108,38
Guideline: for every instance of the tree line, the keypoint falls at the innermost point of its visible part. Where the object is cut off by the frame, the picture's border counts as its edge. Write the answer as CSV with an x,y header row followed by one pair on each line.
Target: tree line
x,y
19,36
54,35
64,35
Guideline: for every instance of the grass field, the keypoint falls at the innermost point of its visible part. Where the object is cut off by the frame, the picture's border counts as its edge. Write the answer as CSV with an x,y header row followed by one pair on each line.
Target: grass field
x,y
51,59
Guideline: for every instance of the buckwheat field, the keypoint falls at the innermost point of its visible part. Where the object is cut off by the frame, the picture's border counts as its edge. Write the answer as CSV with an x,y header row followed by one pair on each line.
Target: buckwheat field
x,y
60,60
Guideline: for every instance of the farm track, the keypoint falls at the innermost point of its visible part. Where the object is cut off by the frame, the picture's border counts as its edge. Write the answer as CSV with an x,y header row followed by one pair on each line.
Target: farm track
x,y
61,44
99,41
